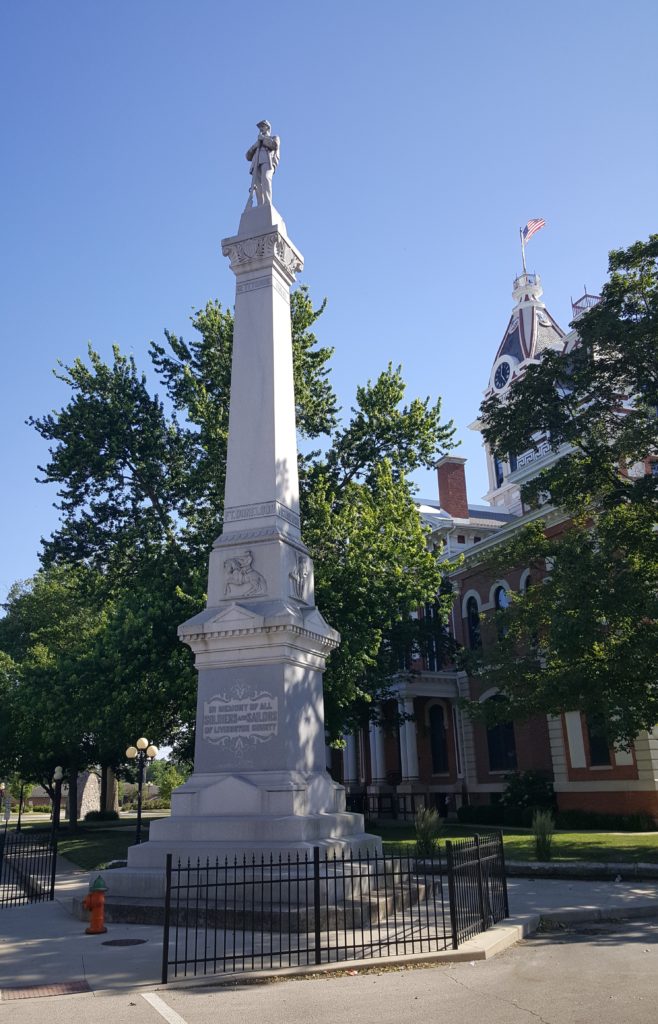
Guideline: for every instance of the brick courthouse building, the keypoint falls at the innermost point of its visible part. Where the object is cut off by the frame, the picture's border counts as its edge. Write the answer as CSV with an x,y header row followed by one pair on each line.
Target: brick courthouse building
x,y
440,756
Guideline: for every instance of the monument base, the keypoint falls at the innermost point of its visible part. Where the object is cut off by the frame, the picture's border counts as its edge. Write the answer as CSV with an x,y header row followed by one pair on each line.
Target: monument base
x,y
257,814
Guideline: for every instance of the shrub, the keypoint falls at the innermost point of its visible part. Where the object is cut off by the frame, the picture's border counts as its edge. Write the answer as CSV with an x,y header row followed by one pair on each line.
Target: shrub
x,y
528,789
42,808
494,815
428,824
542,827
101,816
604,822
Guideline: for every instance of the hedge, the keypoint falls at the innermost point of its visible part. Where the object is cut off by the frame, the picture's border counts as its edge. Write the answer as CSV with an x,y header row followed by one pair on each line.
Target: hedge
x,y
521,817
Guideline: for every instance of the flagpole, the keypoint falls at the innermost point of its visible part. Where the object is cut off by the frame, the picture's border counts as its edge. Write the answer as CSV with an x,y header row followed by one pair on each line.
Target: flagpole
x,y
522,250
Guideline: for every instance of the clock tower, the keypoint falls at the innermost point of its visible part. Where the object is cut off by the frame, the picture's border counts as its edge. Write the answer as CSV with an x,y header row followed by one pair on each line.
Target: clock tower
x,y
530,332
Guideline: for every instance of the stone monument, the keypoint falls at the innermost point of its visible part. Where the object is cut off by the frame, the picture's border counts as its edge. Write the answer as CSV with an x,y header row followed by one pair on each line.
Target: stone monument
x,y
260,781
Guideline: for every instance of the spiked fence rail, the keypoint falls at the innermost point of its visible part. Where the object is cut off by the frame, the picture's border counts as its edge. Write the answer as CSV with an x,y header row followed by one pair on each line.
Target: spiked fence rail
x,y
477,885
270,913
27,867
391,806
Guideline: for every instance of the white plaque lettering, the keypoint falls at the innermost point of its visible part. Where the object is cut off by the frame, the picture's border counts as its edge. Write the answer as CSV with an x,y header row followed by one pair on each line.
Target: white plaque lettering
x,y
240,717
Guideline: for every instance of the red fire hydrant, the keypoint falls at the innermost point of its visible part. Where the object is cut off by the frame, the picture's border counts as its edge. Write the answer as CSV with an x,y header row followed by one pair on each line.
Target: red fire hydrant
x,y
95,903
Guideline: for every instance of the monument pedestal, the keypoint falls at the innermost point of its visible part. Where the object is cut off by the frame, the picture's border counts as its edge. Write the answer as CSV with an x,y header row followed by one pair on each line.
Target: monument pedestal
x,y
260,784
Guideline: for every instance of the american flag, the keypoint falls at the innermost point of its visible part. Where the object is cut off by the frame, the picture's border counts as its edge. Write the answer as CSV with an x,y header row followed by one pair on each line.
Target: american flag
x,y
531,227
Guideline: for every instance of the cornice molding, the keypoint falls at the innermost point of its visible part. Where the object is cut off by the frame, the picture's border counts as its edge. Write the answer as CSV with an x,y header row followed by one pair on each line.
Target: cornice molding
x,y
272,248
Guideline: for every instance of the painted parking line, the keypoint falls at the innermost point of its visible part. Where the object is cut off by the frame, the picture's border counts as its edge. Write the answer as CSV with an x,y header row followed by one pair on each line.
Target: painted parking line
x,y
165,1011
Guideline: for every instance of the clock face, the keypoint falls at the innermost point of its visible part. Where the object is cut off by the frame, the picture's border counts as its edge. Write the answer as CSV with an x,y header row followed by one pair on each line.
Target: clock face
x,y
502,375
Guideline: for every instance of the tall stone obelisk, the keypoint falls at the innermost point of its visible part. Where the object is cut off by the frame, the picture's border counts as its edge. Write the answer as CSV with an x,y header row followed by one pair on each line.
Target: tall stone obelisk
x,y
260,779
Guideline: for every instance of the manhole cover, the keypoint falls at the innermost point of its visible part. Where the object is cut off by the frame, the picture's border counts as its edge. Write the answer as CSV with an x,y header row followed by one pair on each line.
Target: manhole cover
x,y
124,942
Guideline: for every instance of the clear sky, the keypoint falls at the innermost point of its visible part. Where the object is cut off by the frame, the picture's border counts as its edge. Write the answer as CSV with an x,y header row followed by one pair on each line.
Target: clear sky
x,y
416,138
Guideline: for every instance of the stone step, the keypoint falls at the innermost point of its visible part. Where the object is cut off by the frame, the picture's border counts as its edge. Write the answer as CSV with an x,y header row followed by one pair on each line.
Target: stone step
x,y
242,912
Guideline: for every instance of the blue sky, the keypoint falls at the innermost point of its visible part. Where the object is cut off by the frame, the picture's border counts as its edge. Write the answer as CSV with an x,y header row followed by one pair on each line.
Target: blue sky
x,y
416,139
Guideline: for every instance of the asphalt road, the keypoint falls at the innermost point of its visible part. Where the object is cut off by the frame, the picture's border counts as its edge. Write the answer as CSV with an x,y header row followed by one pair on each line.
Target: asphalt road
x,y
606,973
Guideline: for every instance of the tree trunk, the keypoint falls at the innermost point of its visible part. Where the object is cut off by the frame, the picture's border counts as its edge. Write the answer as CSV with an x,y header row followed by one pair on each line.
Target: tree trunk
x,y
112,791
104,787
109,789
50,790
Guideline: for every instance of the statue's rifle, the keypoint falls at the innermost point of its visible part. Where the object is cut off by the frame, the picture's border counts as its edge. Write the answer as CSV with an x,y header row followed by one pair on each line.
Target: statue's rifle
x,y
254,161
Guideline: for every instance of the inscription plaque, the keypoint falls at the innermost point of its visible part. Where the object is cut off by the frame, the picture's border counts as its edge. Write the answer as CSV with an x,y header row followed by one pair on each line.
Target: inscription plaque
x,y
240,718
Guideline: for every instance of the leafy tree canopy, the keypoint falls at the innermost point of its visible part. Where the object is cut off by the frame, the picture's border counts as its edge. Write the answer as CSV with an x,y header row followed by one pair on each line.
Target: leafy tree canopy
x,y
48,637
140,481
586,638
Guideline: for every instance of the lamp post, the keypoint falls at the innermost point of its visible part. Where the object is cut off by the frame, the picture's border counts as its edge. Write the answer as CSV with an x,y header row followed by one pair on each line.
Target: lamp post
x,y
58,775
20,808
142,752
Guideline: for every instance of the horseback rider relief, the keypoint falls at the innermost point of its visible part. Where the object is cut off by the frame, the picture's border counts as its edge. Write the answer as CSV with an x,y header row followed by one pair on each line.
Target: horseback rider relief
x,y
264,157
241,577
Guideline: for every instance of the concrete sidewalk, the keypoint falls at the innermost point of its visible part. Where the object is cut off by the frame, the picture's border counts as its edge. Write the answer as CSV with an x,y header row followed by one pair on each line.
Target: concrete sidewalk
x,y
42,944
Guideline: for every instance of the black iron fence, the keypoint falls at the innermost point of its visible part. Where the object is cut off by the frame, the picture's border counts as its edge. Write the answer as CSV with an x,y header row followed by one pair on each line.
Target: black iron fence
x,y
394,806
250,914
477,886
28,862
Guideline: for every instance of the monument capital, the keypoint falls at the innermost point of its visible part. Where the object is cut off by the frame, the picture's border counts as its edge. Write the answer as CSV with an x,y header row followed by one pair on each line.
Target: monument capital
x,y
258,251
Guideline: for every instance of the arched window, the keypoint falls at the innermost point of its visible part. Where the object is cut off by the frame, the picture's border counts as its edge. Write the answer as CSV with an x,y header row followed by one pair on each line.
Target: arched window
x,y
501,744
501,601
438,740
473,624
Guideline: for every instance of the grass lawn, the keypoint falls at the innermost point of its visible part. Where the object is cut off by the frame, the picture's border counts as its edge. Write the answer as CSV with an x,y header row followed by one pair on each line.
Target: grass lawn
x,y
93,845
622,847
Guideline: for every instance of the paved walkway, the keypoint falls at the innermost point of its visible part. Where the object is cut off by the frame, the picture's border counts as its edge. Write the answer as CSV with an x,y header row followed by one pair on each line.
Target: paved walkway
x,y
42,944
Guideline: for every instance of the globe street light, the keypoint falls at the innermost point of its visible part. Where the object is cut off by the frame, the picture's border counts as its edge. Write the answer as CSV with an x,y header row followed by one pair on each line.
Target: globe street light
x,y
142,752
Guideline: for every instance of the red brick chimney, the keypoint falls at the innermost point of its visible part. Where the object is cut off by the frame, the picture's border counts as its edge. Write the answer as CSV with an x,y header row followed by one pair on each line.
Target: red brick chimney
x,y
452,486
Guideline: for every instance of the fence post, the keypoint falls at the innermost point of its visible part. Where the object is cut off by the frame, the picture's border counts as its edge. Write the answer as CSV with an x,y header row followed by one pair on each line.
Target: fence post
x,y
504,872
316,903
167,910
452,894
480,879
53,869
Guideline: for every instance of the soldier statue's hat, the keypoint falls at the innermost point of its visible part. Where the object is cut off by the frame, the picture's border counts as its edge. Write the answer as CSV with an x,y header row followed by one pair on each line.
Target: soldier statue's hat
x,y
263,124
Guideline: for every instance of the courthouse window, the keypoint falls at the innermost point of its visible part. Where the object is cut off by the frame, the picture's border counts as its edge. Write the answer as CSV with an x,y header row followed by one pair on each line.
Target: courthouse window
x,y
438,739
501,744
599,748
473,624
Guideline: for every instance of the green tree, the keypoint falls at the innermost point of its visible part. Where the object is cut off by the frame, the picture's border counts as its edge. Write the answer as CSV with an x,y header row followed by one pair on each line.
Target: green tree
x,y
49,632
8,696
373,566
166,775
587,638
141,491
